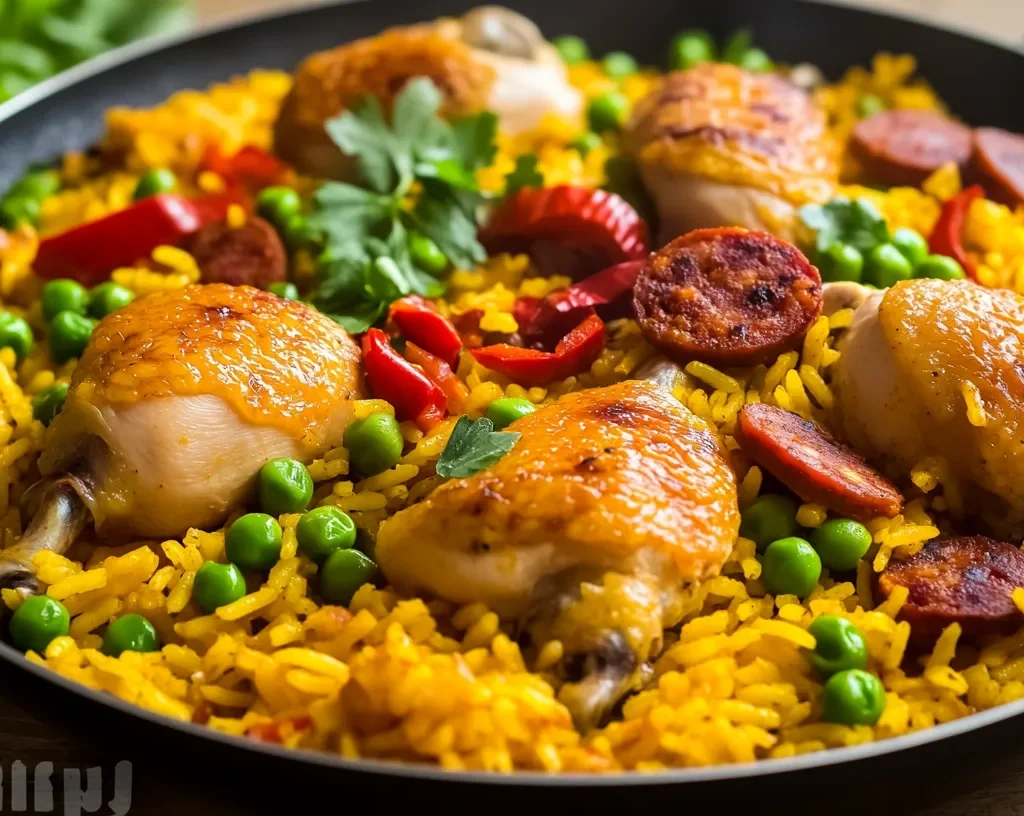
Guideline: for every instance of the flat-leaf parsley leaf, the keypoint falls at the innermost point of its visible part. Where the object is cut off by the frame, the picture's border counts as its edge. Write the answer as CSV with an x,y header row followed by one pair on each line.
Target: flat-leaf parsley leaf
x,y
472,447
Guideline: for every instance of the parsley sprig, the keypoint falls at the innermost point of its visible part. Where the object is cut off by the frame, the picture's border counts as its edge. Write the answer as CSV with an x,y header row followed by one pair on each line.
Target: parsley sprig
x,y
418,175
473,446
857,223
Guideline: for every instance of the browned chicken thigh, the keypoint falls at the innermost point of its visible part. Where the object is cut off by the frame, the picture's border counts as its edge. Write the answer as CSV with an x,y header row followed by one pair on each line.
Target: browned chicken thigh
x,y
719,146
177,402
490,59
588,532
932,370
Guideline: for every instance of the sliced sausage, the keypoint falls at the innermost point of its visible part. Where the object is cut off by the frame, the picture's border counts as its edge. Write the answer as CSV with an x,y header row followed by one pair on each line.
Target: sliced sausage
x,y
969,580
904,147
999,161
727,296
804,457
251,255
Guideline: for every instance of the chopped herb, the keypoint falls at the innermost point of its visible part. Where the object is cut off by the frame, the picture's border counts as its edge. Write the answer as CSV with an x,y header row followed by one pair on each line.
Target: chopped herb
x,y
856,223
418,175
472,447
525,174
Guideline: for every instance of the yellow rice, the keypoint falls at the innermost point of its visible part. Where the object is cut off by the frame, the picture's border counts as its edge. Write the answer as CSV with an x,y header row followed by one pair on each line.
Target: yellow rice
x,y
411,679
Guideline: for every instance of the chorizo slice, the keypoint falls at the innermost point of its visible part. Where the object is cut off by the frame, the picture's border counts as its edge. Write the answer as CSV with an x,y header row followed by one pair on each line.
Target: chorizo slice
x,y
250,255
904,147
999,161
804,457
968,580
727,296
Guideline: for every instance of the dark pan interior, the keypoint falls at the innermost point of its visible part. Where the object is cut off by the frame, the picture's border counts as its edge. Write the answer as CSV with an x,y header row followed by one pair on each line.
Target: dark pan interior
x,y
978,79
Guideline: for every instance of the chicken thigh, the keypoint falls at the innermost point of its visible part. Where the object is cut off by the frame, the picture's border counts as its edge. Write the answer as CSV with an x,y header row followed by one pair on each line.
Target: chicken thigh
x,y
491,59
177,402
587,532
934,368
718,146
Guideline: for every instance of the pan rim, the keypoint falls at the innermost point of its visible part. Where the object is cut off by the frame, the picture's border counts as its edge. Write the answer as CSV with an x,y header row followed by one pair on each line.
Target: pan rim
x,y
432,773
150,45
682,776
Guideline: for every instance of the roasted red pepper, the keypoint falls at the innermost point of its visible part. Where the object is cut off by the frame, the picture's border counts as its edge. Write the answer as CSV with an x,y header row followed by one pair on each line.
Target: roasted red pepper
x,y
574,354
543,322
574,231
251,167
440,373
417,321
87,253
396,380
947,236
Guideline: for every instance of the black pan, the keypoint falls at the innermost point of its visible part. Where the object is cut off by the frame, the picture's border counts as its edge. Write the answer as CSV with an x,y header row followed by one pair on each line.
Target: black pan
x,y
980,80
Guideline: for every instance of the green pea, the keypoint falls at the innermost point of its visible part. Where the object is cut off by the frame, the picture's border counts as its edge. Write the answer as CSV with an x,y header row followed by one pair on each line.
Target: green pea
x,y
374,444
253,542
841,262
756,61
64,295
838,646
109,297
217,585
911,243
38,185
37,621
869,105
426,254
130,633
278,204
503,412
853,697
586,142
607,112
619,64
285,487
48,402
790,567
19,209
154,182
343,573
69,334
887,266
941,267
15,333
841,543
769,518
284,289
573,50
691,48
322,531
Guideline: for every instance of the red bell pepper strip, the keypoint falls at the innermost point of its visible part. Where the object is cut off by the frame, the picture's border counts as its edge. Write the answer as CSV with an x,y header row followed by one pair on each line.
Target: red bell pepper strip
x,y
251,167
456,392
574,354
417,321
567,230
396,380
89,252
947,236
550,318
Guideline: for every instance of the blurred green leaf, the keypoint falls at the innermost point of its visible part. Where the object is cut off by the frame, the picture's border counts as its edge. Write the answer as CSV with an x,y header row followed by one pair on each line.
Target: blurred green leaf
x,y
39,38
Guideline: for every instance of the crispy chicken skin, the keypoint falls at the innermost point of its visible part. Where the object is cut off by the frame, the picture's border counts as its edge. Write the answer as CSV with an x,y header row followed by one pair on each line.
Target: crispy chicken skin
x,y
718,146
182,396
490,59
586,532
911,361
